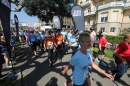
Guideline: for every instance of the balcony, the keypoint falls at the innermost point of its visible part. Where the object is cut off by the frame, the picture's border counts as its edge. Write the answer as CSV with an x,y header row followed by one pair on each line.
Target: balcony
x,y
111,4
89,13
127,5
84,3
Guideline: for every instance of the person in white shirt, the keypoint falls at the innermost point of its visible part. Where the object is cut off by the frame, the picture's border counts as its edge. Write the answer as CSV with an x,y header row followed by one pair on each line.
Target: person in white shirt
x,y
93,37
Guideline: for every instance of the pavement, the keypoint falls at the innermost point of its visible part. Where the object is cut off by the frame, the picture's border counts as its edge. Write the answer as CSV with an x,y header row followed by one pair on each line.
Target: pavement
x,y
36,70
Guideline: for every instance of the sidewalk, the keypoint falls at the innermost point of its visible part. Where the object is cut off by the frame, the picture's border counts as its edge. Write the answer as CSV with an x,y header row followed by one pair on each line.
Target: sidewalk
x,y
36,71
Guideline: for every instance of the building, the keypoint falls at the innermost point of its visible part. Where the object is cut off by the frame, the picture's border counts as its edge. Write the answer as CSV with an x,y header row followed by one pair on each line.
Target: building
x,y
68,23
110,16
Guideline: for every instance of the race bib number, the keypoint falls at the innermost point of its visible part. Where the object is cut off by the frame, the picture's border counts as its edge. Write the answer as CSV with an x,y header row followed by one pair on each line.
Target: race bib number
x,y
33,39
59,42
50,43
86,73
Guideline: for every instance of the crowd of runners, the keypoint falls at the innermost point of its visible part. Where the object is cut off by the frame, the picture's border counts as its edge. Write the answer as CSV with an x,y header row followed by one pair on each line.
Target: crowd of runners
x,y
81,43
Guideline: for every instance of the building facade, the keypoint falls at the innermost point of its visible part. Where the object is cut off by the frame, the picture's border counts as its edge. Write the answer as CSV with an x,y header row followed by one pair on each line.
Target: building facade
x,y
68,23
110,16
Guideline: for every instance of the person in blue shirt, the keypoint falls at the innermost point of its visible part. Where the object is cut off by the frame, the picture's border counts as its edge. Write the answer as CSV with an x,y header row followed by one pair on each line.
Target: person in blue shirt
x,y
69,35
81,61
4,50
42,37
12,42
64,34
38,42
74,43
33,40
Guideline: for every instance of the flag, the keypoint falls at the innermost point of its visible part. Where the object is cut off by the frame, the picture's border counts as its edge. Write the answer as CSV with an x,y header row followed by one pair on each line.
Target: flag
x,y
78,16
56,21
17,27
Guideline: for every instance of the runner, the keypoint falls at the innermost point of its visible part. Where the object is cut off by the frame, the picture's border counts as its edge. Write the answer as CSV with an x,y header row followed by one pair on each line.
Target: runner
x,y
42,37
81,61
4,51
74,43
64,34
33,40
59,42
102,44
38,42
49,46
69,35
122,58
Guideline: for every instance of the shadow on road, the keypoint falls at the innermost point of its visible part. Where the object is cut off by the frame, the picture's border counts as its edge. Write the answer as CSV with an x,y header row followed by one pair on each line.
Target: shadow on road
x,y
52,82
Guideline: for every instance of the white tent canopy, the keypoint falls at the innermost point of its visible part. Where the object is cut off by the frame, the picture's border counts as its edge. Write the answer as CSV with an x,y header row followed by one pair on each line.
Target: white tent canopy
x,y
45,27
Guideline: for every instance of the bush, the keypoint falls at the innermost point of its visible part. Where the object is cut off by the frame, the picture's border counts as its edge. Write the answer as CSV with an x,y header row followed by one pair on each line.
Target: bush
x,y
115,39
108,53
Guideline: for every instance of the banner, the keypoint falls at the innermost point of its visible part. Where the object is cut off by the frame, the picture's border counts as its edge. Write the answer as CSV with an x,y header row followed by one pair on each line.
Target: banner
x,y
56,21
17,27
5,20
78,16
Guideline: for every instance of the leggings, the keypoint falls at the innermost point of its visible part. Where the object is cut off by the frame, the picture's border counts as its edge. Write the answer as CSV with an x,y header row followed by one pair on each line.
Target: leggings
x,y
50,54
74,50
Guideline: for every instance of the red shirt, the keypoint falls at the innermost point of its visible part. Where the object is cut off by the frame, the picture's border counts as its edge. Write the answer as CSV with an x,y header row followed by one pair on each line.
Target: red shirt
x,y
124,51
103,42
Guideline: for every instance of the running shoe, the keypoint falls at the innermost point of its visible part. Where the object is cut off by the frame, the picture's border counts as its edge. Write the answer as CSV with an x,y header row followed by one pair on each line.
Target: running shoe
x,y
117,83
66,84
104,64
97,60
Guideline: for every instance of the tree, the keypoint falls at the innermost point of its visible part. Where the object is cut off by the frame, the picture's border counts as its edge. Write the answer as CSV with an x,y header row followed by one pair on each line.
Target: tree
x,y
19,4
46,9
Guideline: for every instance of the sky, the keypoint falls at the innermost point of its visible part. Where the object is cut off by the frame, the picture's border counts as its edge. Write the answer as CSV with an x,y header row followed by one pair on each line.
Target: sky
x,y
22,16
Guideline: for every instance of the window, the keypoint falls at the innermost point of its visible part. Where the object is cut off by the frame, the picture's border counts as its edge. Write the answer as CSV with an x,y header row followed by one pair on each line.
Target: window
x,y
112,29
104,17
88,22
89,9
114,16
103,29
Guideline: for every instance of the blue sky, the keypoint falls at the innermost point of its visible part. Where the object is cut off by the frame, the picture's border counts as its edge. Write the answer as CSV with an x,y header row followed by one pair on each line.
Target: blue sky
x,y
22,16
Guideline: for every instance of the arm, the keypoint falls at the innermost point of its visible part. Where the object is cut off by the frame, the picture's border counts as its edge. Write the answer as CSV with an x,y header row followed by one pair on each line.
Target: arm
x,y
66,69
101,71
100,41
118,56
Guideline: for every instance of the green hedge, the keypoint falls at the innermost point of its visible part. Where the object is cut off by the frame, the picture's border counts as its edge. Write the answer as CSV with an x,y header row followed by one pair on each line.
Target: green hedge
x,y
115,39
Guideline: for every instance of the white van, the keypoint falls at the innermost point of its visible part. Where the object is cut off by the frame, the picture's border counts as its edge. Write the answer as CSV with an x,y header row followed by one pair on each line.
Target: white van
x,y
45,27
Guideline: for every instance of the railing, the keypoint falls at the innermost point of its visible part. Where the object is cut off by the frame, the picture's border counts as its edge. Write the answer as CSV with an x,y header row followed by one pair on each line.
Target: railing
x,y
89,13
111,4
85,3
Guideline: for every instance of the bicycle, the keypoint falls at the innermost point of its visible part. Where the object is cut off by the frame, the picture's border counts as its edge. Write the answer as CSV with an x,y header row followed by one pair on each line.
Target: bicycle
x,y
112,47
